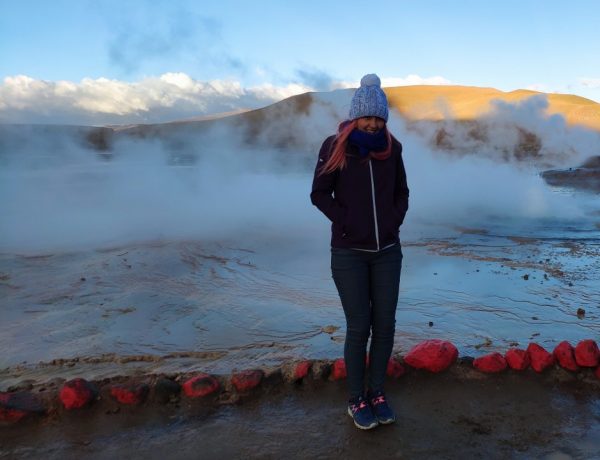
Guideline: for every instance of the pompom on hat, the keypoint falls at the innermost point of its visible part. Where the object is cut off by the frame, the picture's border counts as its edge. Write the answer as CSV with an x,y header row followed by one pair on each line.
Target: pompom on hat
x,y
369,100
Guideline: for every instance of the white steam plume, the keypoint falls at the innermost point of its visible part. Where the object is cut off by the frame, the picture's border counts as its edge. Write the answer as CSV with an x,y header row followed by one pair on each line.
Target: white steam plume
x,y
57,195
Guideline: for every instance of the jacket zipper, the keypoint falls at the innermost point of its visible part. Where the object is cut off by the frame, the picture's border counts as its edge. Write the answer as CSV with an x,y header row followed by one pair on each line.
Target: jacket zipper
x,y
374,204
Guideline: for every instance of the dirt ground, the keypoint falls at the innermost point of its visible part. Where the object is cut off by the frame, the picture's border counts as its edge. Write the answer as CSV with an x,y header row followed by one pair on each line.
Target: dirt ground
x,y
505,416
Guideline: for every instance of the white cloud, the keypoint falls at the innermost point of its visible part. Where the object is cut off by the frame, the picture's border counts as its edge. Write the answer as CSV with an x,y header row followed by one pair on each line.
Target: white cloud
x,y
155,99
271,92
170,96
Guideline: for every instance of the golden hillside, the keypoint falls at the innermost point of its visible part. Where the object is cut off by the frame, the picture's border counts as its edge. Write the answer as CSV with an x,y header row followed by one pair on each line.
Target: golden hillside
x,y
276,123
422,102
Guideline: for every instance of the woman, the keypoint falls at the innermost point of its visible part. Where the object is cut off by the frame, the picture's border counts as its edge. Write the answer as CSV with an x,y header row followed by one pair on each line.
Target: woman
x,y
360,185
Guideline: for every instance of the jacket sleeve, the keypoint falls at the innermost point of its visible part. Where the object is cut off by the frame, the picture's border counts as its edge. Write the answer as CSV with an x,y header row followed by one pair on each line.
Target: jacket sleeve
x,y
401,191
323,186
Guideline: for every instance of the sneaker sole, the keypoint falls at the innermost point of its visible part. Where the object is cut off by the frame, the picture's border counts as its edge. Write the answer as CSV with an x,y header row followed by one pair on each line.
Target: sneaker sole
x,y
388,421
360,427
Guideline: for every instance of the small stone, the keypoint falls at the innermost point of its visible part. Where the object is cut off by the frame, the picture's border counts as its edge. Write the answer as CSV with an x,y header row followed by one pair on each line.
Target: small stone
x,y
540,358
200,385
11,415
247,380
565,355
82,278
130,394
526,277
302,369
77,393
580,313
433,355
587,353
338,370
395,369
18,405
491,363
517,359
430,323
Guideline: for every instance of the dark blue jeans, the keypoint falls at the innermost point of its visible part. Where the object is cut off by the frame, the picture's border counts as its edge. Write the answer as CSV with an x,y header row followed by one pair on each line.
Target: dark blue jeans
x,y
368,284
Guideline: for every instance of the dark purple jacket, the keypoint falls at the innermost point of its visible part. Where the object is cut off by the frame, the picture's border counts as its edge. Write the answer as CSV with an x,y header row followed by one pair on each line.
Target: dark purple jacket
x,y
366,201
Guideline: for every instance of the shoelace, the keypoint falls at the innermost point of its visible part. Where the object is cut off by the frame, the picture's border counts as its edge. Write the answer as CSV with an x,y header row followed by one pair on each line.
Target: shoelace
x,y
356,407
378,400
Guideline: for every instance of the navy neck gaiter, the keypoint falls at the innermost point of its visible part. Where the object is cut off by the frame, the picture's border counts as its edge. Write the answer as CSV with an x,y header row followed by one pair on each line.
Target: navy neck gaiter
x,y
367,142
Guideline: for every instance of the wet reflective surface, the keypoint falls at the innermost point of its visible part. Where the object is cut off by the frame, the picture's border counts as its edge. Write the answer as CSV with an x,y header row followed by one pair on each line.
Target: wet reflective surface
x,y
219,306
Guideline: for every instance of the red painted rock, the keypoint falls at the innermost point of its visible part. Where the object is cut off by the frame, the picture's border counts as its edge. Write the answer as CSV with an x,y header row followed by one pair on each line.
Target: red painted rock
x,y
395,369
77,393
18,405
517,359
433,355
130,394
587,353
494,362
247,380
11,415
200,385
540,358
302,369
565,355
338,370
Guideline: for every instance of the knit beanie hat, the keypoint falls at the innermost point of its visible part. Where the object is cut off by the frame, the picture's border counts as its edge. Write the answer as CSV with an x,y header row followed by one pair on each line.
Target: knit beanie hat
x,y
369,100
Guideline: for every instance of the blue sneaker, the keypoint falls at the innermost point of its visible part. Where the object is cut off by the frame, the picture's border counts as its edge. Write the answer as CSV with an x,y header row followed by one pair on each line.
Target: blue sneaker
x,y
361,413
381,409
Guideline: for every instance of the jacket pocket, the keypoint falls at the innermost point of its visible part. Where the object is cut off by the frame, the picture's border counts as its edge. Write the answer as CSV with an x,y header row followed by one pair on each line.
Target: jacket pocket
x,y
390,226
356,228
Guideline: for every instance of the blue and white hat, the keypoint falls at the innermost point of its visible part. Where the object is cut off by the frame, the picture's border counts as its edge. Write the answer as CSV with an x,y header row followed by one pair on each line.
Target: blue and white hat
x,y
369,100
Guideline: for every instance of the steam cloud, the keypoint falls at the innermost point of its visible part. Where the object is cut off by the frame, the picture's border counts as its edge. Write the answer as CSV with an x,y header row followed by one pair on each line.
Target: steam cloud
x,y
57,195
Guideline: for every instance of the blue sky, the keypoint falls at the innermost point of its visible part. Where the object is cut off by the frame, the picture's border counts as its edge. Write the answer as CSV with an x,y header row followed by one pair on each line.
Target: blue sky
x,y
265,50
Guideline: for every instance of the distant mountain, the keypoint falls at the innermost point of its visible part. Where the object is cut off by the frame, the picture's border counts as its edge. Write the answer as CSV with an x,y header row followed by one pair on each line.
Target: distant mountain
x,y
455,119
461,120
305,119
468,103
425,103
